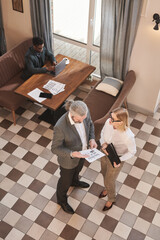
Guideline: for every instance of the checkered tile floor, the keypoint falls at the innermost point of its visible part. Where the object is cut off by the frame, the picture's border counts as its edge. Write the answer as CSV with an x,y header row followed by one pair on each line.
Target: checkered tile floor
x,y
29,173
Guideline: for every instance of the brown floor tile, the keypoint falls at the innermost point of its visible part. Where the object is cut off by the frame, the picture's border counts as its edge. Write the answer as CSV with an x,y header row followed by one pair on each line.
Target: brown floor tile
x,y
35,118
147,214
140,163
86,163
5,228
95,189
150,147
30,157
155,193
2,193
121,201
136,124
24,132
51,167
20,110
14,175
156,132
43,141
54,198
5,124
131,181
136,235
36,186
10,147
109,223
20,206
26,237
69,233
44,219
83,210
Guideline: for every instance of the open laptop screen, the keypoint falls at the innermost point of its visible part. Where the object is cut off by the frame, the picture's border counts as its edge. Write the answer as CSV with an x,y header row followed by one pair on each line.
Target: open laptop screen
x,y
59,68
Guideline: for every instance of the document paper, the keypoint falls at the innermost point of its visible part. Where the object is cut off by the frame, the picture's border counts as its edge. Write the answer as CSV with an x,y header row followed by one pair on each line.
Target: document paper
x,y
94,154
54,87
35,94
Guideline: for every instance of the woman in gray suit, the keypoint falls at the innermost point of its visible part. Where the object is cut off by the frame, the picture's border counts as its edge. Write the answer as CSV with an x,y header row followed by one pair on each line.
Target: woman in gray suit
x,y
73,133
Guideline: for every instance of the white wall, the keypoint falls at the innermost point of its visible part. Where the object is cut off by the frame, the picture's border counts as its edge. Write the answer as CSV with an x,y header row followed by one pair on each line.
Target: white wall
x,y
17,25
145,61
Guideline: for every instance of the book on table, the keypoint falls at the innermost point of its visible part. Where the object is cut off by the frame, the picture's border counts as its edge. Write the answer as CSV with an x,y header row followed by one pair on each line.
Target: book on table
x,y
112,154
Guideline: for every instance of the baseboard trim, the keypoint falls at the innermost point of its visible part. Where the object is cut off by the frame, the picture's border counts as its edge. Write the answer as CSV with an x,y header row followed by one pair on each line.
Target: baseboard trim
x,y
139,109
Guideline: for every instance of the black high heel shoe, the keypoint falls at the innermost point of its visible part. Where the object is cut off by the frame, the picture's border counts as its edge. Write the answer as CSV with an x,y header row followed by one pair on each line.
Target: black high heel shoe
x,y
107,208
101,195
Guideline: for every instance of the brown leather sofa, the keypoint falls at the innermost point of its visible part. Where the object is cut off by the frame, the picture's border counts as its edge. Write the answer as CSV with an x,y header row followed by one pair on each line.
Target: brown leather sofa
x,y
101,104
11,65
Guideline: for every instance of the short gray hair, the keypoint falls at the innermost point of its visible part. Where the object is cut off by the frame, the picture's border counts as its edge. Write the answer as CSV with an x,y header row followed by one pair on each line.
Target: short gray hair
x,y
76,108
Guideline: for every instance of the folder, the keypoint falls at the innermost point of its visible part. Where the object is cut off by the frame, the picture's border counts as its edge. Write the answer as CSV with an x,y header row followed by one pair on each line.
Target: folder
x,y
112,154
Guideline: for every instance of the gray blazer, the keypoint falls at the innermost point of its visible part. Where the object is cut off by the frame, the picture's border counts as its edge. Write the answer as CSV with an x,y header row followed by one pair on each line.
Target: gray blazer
x,y
66,140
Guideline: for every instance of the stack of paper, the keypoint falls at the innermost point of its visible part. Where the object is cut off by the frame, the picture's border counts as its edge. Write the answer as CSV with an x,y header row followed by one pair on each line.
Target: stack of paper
x,y
54,87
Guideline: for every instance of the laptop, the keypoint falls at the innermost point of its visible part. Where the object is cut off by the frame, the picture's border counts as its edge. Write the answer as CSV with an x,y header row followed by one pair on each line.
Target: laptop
x,y
58,68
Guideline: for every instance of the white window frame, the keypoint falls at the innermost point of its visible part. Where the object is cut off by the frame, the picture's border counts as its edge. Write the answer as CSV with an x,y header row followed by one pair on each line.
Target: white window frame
x,y
89,46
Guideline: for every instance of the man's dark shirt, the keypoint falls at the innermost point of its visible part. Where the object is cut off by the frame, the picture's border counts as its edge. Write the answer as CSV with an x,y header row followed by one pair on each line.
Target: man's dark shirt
x,y
34,62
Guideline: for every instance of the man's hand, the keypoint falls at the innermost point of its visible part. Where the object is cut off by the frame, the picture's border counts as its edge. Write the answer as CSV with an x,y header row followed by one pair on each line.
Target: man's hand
x,y
54,63
92,143
50,68
79,155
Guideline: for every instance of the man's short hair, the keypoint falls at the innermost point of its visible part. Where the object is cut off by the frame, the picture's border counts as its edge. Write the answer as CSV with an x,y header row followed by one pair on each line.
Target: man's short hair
x,y
37,41
76,108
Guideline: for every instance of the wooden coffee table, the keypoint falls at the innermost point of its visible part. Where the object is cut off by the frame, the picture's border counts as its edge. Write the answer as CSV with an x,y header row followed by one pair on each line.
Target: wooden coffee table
x,y
73,75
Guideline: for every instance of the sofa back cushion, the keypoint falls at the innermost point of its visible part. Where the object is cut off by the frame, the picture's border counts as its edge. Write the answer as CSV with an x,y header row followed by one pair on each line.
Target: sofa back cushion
x,y
12,62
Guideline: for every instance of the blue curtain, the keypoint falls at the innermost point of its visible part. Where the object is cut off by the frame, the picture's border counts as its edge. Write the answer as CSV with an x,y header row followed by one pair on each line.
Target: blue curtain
x,y
119,23
2,35
41,21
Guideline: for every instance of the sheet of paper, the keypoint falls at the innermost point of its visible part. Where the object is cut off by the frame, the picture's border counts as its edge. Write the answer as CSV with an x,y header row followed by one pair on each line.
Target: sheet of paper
x,y
94,154
35,94
54,87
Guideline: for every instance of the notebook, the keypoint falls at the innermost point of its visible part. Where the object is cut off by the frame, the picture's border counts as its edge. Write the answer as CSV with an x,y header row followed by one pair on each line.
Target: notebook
x,y
113,156
58,68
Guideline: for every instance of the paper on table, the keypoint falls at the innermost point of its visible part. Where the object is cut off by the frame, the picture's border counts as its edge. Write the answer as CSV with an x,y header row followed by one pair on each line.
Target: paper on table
x,y
54,87
94,154
35,94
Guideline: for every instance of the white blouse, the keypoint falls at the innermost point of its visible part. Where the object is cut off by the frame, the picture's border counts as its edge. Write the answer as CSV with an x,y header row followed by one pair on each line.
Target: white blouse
x,y
124,142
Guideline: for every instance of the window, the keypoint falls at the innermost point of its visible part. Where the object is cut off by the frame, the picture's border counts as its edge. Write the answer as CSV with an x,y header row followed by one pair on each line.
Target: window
x,y
76,29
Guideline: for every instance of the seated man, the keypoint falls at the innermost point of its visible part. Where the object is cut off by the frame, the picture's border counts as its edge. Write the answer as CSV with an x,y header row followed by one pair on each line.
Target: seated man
x,y
35,59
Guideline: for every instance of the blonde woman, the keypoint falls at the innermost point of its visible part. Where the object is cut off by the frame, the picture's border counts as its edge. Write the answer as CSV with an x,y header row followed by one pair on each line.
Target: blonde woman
x,y
117,132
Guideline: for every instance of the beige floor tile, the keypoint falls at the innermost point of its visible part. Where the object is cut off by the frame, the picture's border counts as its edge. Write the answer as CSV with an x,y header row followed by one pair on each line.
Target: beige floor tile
x,y
122,230
76,221
56,226
32,213
36,231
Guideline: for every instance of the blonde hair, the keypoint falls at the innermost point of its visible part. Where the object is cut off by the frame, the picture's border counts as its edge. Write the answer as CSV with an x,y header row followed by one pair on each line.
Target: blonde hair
x,y
122,114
